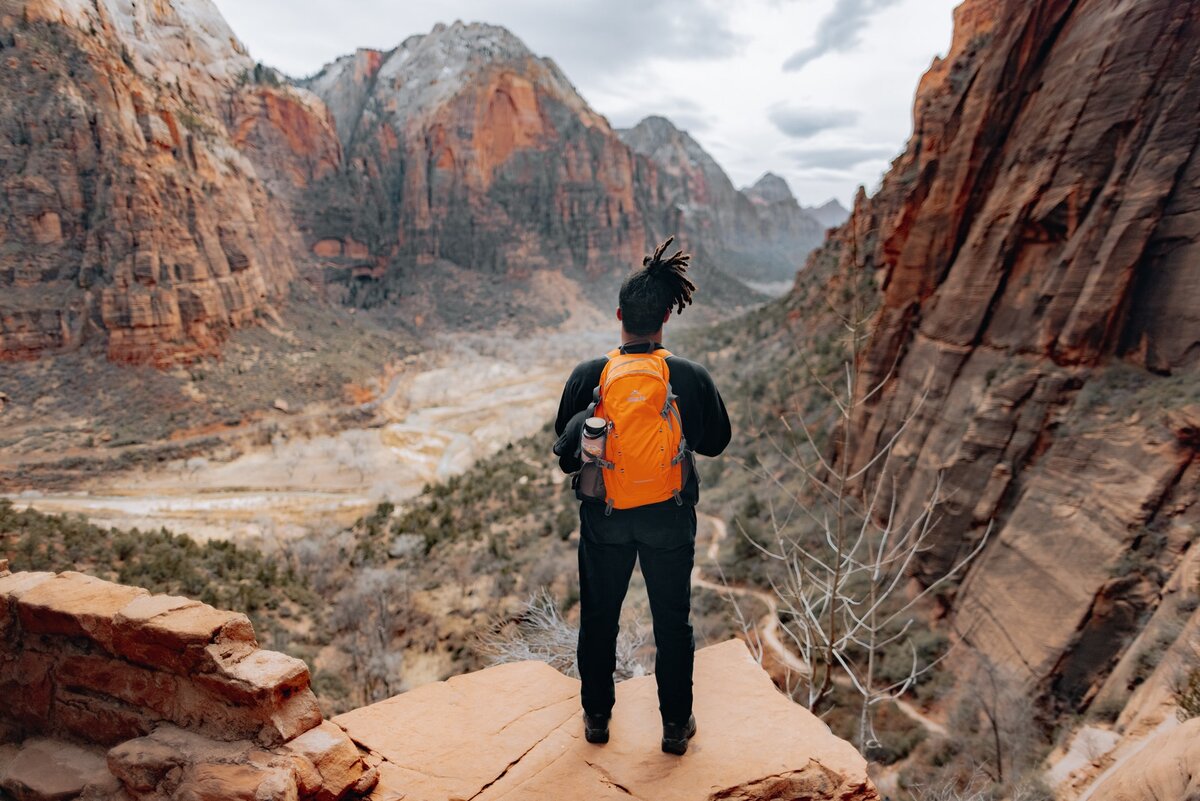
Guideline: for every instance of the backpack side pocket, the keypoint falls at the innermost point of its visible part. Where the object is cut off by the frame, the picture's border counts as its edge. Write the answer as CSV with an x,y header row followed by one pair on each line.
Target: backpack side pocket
x,y
589,483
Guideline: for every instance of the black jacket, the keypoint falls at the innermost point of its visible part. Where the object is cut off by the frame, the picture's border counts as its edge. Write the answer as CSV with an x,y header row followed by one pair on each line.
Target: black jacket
x,y
705,421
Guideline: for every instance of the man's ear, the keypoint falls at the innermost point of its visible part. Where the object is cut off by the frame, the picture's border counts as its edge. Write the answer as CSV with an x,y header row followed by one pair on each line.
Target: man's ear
x,y
667,316
619,317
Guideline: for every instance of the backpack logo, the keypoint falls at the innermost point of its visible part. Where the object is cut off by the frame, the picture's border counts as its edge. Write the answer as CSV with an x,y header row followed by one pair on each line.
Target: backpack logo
x,y
635,397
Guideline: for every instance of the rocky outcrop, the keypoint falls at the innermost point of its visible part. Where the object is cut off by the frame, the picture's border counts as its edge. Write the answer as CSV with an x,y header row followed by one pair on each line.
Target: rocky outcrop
x,y
187,704
760,233
1167,767
102,662
133,213
114,693
1037,340
525,729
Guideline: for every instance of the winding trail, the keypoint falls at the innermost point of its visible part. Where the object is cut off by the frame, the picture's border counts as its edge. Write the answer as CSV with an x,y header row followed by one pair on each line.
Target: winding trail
x,y
768,624
767,627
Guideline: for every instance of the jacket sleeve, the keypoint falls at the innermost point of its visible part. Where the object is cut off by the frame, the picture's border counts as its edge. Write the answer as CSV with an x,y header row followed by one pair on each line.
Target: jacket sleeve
x,y
566,447
717,429
575,398
572,410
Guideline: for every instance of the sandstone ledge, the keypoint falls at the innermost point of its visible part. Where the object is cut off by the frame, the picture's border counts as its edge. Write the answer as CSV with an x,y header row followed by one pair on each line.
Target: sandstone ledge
x,y
515,732
114,693
1166,767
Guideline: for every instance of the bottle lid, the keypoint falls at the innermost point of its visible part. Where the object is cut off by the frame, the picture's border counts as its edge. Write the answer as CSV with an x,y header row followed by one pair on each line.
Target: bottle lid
x,y
595,425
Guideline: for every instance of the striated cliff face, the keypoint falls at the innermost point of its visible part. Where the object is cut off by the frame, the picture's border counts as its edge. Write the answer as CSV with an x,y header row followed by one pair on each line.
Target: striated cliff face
x,y
1035,250
142,171
759,234
162,188
465,151
469,149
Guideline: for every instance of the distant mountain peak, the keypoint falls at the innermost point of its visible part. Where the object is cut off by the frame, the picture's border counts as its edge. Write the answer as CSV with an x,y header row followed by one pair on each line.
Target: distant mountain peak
x,y
426,70
831,213
662,141
771,188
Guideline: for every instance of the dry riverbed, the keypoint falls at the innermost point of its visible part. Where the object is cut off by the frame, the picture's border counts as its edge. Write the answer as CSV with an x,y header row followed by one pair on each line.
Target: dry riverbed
x,y
470,397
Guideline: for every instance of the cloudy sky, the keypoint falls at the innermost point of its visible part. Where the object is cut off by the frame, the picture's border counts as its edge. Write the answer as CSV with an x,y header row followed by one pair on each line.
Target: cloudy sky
x,y
818,91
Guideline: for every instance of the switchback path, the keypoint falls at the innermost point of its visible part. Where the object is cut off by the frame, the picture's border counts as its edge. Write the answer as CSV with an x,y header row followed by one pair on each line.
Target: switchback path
x,y
767,627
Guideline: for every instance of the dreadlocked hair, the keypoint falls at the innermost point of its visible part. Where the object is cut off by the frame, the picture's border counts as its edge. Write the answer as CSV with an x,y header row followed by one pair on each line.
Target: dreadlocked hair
x,y
648,294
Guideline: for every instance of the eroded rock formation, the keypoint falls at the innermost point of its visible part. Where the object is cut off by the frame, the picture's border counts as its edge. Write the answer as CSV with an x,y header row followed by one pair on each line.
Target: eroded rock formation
x,y
186,702
133,212
470,152
1036,249
114,693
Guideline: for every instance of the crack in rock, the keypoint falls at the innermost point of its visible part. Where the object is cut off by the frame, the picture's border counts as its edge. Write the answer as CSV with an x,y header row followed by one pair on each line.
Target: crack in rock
x,y
521,756
607,778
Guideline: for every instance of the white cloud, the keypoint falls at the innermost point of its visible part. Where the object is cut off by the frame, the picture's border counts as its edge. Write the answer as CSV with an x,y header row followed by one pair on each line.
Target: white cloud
x,y
712,66
838,31
802,123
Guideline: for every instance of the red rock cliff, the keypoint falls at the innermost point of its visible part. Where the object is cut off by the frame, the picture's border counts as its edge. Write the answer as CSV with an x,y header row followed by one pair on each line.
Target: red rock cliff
x,y
131,213
1036,249
464,150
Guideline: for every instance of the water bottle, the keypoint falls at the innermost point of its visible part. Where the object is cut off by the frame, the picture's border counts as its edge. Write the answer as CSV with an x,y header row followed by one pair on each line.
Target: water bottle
x,y
595,430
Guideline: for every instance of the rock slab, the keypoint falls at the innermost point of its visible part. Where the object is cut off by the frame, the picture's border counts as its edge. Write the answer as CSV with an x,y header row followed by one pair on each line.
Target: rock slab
x,y
516,732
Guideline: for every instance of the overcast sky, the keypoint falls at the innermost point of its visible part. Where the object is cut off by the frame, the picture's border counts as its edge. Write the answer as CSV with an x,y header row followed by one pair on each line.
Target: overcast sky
x,y
818,91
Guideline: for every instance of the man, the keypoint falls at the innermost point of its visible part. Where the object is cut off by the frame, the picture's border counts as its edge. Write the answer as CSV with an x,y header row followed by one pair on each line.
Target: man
x,y
661,535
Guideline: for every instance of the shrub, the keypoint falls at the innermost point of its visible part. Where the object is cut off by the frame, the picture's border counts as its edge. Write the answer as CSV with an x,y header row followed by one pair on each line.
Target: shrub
x,y
1187,695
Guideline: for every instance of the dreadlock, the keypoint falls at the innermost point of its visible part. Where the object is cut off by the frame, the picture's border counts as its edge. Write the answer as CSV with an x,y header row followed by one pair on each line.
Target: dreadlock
x,y
648,294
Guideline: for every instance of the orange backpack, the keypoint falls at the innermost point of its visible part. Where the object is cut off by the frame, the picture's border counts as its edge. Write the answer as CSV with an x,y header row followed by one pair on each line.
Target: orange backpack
x,y
645,453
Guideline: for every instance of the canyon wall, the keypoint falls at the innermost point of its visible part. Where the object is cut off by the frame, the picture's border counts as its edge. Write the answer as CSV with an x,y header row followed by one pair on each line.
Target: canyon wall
x,y
1037,337
131,214
163,189
470,152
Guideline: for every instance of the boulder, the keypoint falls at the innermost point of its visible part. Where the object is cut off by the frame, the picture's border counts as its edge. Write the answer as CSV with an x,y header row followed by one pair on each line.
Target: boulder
x,y
516,731
48,770
335,757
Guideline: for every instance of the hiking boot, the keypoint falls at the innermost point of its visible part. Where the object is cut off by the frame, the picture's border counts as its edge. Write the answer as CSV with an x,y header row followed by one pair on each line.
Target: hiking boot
x,y
676,736
595,728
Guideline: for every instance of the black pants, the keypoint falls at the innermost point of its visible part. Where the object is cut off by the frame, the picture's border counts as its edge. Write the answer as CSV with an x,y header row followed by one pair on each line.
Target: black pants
x,y
662,537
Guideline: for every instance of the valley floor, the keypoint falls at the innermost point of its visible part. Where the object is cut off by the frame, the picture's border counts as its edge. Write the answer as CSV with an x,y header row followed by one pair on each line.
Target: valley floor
x,y
463,399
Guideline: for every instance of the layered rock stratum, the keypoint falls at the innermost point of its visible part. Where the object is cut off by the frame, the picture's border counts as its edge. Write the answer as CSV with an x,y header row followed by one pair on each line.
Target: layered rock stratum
x,y
163,189
1037,339
133,211
114,693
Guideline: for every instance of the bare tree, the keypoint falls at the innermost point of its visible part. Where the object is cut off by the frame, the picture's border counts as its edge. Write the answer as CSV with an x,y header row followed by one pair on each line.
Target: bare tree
x,y
367,614
539,632
843,553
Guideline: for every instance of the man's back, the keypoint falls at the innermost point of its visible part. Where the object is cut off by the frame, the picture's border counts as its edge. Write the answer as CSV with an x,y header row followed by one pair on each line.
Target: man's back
x,y
705,421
